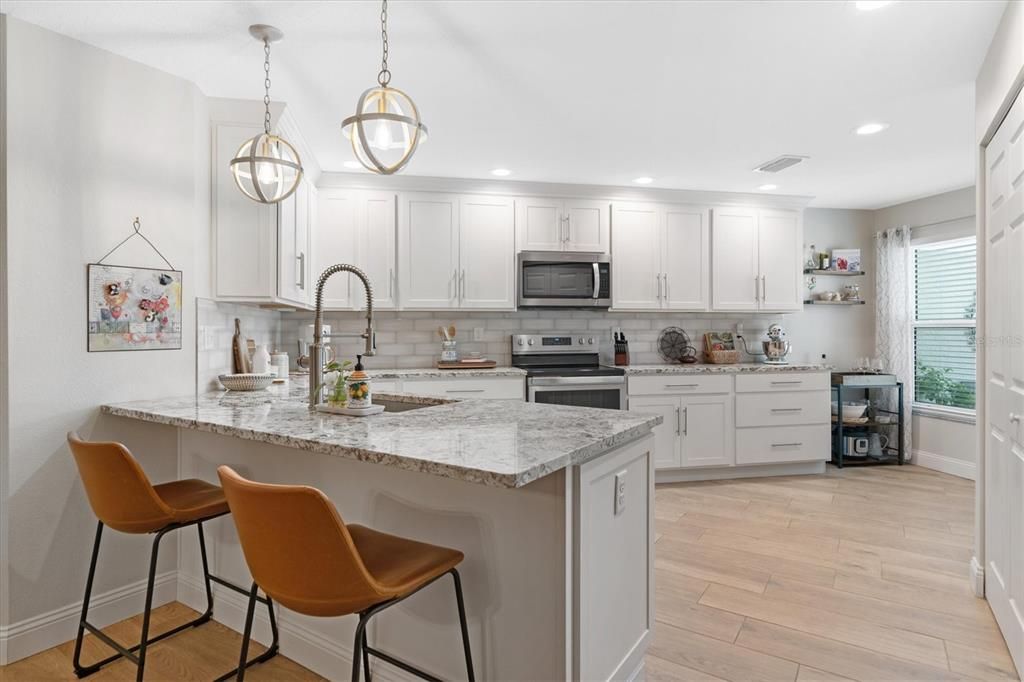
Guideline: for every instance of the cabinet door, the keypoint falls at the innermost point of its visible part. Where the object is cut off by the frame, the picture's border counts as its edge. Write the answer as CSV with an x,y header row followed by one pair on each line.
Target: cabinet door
x,y
376,251
667,433
735,277
780,240
290,251
335,241
708,437
685,256
428,248
539,225
636,257
586,225
487,253
244,230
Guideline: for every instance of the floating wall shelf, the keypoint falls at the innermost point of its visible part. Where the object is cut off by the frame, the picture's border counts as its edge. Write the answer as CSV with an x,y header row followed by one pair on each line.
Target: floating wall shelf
x,y
817,302
837,273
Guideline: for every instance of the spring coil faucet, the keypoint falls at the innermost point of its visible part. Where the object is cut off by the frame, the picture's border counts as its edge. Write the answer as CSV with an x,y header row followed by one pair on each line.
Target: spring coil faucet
x,y
316,349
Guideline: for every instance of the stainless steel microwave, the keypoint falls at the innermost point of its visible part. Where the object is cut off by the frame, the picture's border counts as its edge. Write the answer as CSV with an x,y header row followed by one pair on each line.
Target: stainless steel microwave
x,y
554,279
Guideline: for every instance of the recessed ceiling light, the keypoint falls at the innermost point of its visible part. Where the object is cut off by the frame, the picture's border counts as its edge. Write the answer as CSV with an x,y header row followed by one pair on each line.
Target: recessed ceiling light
x,y
352,164
501,172
644,180
871,128
768,188
868,5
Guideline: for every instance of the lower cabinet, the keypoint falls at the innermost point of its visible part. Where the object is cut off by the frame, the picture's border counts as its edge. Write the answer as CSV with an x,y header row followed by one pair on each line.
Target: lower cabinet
x,y
697,429
486,388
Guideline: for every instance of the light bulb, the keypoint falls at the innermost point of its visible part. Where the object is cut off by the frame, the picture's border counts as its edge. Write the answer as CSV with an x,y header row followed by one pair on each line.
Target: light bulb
x,y
382,136
266,173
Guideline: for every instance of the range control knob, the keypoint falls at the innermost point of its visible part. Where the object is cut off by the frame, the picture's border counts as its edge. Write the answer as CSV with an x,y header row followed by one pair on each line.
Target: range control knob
x,y
590,341
530,342
519,342
580,340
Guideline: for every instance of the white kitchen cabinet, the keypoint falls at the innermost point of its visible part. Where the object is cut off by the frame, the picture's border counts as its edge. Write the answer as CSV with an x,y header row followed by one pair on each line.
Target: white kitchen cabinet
x,y
456,252
260,251
428,251
487,277
708,433
357,227
479,388
545,224
667,454
756,262
661,257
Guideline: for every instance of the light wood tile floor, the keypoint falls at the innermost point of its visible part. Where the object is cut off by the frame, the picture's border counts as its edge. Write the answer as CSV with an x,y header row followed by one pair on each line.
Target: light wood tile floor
x,y
858,574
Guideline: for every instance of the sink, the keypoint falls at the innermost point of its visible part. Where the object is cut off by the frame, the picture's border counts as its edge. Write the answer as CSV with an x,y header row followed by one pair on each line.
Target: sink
x,y
396,402
399,405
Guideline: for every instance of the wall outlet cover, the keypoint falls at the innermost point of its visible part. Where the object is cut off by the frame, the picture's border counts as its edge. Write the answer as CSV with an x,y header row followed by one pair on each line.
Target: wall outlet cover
x,y
620,492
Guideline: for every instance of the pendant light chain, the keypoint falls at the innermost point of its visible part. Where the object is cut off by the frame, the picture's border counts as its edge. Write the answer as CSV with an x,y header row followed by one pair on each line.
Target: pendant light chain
x,y
384,77
266,85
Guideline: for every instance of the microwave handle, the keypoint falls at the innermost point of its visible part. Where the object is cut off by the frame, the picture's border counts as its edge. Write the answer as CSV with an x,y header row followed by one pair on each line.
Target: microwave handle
x,y
597,280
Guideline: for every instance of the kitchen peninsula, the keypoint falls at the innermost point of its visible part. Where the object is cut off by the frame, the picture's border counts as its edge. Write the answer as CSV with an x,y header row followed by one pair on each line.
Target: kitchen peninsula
x,y
550,504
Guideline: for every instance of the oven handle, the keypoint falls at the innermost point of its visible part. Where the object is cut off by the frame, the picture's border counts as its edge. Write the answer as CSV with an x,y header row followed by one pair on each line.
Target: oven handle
x,y
612,381
597,280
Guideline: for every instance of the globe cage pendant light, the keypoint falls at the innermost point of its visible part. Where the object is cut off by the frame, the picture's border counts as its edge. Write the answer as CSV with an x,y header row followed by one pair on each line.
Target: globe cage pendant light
x,y
266,168
386,129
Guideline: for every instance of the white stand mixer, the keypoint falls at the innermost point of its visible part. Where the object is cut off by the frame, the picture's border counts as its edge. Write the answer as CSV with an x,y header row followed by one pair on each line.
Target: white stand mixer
x,y
776,348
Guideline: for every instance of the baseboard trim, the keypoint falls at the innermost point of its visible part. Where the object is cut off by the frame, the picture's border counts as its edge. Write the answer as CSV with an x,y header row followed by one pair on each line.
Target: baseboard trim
x,y
32,635
977,577
325,657
945,464
748,471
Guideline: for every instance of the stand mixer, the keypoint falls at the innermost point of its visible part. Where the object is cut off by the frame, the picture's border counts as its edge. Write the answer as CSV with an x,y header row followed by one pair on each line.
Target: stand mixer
x,y
775,349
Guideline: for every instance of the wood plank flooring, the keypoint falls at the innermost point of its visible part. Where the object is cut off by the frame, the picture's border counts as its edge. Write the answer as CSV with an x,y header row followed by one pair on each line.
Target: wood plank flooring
x,y
859,574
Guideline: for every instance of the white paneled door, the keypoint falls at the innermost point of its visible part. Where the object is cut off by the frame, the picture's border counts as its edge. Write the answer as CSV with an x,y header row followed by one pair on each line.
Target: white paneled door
x,y
487,228
779,261
1004,378
429,251
684,257
736,278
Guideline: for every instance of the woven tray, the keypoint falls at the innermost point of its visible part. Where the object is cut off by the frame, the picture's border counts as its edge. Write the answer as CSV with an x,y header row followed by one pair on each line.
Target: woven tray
x,y
722,357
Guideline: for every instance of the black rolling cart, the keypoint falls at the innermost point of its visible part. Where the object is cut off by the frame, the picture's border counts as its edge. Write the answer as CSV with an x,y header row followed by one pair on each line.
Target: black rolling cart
x,y
888,424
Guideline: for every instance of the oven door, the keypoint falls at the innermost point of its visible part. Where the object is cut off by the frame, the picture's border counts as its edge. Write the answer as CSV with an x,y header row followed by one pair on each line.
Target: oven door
x,y
602,392
553,280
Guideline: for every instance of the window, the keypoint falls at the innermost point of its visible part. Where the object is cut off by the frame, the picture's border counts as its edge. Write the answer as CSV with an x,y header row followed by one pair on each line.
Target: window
x,y
945,306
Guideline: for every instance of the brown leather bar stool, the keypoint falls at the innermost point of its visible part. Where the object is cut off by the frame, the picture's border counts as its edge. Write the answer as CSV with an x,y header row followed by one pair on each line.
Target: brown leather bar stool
x,y
300,552
122,497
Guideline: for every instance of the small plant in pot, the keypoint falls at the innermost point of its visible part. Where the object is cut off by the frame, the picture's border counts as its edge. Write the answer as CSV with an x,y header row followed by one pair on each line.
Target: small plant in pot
x,y
336,381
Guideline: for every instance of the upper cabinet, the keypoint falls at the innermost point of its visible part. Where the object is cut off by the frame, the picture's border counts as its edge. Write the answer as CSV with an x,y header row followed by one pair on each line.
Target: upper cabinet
x,y
545,224
660,257
261,252
456,252
756,259
357,227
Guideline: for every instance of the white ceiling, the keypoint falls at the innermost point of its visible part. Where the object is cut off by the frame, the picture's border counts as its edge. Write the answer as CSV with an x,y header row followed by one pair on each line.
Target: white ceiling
x,y
694,94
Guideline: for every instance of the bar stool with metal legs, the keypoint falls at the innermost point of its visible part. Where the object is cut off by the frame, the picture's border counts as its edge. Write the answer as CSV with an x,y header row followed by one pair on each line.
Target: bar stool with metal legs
x,y
300,552
122,498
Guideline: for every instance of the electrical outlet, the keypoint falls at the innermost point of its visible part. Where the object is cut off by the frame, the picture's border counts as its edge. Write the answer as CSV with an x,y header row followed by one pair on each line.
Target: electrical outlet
x,y
478,333
620,492
739,328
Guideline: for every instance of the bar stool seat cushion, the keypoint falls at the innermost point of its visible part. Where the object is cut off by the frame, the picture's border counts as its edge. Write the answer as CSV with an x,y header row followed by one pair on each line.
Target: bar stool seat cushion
x,y
400,565
192,499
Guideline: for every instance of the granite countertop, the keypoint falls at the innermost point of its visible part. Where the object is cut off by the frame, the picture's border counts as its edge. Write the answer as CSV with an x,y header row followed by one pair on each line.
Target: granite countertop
x,y
498,443
739,368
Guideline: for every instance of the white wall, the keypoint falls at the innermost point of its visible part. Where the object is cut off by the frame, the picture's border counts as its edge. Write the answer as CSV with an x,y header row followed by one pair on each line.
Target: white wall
x,y
938,444
92,141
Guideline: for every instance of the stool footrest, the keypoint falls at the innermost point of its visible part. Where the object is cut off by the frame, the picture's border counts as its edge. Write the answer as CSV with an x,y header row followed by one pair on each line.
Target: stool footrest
x,y
129,652
398,663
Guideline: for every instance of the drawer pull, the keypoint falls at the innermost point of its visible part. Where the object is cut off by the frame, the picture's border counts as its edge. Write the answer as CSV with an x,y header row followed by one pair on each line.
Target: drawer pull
x,y
681,385
779,383
464,390
787,409
786,445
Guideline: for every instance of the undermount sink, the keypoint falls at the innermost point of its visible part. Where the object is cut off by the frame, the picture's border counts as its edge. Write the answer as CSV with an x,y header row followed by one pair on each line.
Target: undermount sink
x,y
400,405
396,402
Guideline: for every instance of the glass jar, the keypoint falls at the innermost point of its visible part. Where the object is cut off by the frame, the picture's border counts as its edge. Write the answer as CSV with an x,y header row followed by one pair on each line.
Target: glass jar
x,y
449,351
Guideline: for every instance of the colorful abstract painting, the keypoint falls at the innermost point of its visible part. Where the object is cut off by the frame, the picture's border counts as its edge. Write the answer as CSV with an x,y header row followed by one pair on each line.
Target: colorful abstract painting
x,y
134,308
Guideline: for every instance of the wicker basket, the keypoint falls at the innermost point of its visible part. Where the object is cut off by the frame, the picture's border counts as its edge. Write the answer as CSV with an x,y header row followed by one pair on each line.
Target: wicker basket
x,y
246,382
722,357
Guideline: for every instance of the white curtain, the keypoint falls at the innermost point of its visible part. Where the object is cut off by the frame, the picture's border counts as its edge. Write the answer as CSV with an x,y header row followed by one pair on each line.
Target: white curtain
x,y
894,326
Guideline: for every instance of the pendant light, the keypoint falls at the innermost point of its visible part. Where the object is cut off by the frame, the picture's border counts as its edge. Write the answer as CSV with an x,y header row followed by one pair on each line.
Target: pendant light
x,y
266,168
386,128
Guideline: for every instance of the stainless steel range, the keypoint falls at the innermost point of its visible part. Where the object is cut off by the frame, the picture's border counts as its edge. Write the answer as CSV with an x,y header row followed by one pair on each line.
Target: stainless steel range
x,y
565,369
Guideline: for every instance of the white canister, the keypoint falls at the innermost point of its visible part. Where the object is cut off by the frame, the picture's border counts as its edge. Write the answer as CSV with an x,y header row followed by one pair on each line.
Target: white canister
x,y
279,360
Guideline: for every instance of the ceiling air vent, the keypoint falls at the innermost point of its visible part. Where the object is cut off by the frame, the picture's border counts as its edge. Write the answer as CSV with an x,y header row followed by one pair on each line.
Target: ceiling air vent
x,y
780,163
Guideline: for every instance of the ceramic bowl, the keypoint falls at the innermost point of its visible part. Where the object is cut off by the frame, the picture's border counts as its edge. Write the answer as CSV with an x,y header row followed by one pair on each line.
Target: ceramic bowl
x,y
247,382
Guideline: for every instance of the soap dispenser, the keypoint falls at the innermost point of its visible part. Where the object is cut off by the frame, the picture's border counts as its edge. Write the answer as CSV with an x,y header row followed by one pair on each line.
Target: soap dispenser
x,y
359,395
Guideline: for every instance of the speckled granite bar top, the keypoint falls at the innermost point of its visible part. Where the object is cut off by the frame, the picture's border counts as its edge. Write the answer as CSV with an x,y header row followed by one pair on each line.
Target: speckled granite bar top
x,y
499,443
739,368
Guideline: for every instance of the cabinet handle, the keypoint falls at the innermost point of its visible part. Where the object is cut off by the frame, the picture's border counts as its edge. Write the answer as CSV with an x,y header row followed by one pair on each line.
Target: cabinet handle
x,y
757,288
787,409
455,279
679,420
391,284
686,421
568,227
462,290
786,445
464,390
664,276
681,385
780,383
764,289
302,271
657,278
